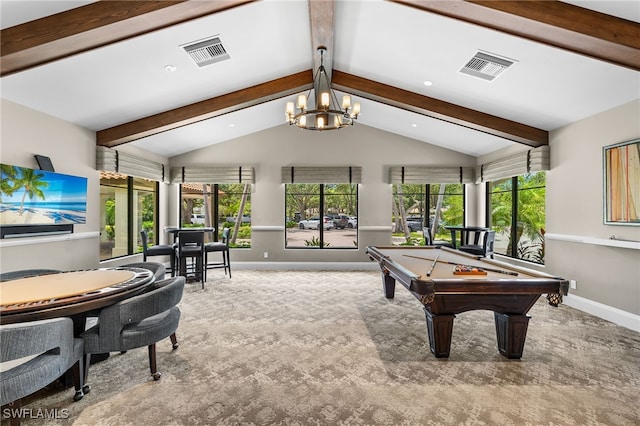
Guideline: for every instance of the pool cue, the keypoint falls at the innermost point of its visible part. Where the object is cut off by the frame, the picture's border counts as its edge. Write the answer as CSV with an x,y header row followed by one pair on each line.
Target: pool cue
x,y
500,271
433,265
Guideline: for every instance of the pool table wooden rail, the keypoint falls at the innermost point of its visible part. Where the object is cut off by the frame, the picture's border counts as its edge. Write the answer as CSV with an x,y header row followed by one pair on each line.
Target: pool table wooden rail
x,y
510,294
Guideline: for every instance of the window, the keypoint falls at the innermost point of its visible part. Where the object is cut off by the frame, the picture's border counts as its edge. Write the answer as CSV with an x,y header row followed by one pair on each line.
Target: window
x,y
127,205
410,201
321,215
517,213
228,205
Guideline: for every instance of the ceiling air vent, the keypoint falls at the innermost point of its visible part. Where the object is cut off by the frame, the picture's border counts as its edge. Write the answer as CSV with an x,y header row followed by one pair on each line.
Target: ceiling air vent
x,y
207,52
486,66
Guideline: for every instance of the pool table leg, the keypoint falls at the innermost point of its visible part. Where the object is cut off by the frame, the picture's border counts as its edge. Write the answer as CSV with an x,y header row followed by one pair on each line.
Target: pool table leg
x,y
511,331
388,285
440,328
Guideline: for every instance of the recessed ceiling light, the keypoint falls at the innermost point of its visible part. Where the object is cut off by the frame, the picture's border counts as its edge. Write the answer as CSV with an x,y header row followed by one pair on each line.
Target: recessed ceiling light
x,y
414,125
231,125
428,83
169,68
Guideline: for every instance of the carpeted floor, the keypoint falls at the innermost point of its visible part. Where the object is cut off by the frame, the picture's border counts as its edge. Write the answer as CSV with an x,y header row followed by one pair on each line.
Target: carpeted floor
x,y
326,348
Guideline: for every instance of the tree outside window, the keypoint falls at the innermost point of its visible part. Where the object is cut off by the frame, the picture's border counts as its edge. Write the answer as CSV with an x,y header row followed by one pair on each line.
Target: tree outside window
x,y
227,205
444,202
523,198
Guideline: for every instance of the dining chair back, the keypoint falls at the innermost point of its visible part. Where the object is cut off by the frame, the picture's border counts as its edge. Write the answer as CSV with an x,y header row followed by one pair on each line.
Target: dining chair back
x,y
429,241
484,248
136,322
157,250
221,247
191,255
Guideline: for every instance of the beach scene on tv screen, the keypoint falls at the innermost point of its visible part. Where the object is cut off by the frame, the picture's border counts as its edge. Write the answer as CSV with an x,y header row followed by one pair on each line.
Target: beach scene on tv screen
x,y
38,197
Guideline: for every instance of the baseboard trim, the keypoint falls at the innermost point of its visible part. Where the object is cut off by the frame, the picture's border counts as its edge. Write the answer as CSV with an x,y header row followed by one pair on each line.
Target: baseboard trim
x,y
307,266
609,313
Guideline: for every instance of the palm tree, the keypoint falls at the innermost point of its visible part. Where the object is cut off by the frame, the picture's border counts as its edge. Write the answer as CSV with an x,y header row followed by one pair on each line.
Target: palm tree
x,y
8,181
32,183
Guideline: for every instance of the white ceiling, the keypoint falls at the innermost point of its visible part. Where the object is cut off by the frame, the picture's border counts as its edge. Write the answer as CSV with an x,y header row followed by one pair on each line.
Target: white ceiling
x,y
382,41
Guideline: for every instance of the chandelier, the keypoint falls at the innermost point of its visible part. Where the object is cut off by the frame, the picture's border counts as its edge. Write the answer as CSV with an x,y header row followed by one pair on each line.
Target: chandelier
x,y
327,115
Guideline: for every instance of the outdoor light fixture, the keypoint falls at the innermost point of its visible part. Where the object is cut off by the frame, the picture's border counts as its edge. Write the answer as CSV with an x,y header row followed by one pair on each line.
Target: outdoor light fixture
x,y
327,114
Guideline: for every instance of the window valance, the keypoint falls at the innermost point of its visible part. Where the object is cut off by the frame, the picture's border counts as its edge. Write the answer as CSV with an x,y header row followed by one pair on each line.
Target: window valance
x,y
212,174
530,161
111,160
424,175
346,174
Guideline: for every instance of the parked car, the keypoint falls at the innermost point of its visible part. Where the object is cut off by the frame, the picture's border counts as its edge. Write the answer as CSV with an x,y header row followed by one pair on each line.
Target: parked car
x,y
245,219
340,221
314,223
353,222
414,223
197,219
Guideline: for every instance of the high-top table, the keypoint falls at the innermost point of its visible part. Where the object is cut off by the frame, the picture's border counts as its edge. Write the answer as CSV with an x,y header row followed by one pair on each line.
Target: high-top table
x,y
69,294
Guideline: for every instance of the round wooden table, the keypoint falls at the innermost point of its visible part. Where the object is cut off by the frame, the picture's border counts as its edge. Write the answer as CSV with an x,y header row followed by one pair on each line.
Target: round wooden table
x,y
69,293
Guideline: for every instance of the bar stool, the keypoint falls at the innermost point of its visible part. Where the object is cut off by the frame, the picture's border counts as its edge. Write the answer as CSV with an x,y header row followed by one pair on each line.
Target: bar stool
x,y
191,247
222,247
157,250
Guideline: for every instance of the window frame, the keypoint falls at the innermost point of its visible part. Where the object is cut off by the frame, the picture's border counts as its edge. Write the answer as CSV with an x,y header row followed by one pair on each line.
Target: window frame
x,y
513,232
131,234
321,214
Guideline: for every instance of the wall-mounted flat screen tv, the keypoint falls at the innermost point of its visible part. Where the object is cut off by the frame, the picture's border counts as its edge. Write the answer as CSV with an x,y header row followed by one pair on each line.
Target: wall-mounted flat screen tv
x,y
39,197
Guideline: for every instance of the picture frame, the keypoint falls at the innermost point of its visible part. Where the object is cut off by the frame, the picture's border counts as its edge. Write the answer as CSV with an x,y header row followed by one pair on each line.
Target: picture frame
x,y
621,164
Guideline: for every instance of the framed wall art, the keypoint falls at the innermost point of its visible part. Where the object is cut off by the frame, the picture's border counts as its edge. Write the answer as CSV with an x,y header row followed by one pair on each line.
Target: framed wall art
x,y
622,183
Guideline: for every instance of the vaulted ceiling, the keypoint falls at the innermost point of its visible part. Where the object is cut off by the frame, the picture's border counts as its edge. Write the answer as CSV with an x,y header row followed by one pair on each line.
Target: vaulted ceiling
x,y
120,69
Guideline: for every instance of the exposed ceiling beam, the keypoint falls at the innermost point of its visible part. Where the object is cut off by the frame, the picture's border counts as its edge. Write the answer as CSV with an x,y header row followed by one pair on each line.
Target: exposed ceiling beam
x,y
321,20
204,110
440,110
94,25
555,23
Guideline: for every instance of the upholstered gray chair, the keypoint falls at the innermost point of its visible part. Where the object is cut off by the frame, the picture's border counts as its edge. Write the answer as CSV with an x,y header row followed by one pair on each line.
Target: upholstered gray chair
x,y
157,250
139,321
220,247
26,273
53,351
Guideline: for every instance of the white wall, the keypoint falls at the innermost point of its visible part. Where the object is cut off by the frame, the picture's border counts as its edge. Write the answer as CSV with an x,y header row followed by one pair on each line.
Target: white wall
x,y
72,151
576,234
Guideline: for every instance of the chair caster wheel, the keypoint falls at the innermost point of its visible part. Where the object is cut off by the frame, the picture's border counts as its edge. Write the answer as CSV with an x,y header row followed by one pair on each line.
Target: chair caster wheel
x,y
156,375
78,396
175,346
86,389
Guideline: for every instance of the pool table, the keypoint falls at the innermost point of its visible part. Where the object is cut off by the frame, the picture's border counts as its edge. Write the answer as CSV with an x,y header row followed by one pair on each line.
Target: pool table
x,y
448,282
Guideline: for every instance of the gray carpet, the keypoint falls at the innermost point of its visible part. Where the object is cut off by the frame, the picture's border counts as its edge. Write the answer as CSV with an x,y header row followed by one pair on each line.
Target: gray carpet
x,y
326,348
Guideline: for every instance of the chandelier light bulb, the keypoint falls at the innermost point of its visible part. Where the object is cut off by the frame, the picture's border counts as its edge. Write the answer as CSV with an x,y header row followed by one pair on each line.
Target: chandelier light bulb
x,y
346,102
302,102
324,99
